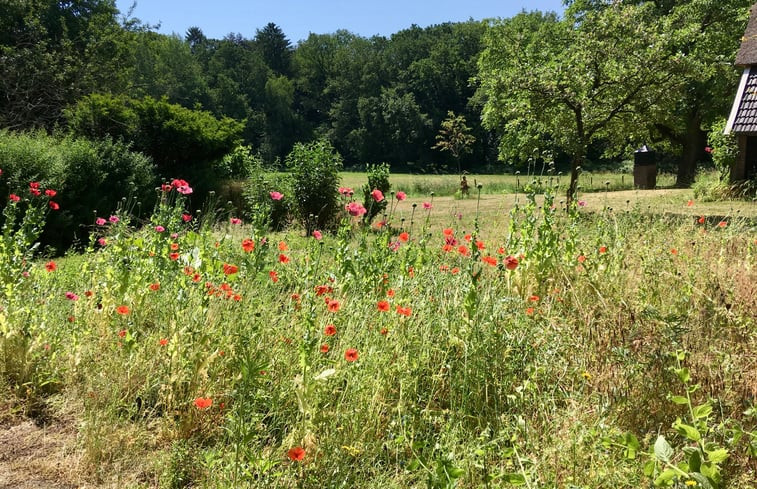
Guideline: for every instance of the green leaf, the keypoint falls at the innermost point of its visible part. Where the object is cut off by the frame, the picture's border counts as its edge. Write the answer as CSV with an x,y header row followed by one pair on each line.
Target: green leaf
x,y
632,446
695,461
703,482
662,450
683,374
679,399
664,478
717,456
702,411
514,479
688,431
649,468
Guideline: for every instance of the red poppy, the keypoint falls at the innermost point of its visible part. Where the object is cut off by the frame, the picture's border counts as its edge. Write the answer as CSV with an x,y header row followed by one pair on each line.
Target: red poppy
x,y
603,249
333,306
511,263
490,260
155,286
501,250
203,402
480,245
404,237
455,271
404,311
350,354
463,250
174,246
50,192
53,205
122,333
530,311
581,258
123,310
690,203
163,341
468,237
448,232
377,195
173,256
283,246
700,220
322,289
329,330
384,331
390,293
186,217
722,224
14,198
283,258
447,248
534,298
248,245
274,276
324,348
382,306
296,454
230,269
51,266
674,251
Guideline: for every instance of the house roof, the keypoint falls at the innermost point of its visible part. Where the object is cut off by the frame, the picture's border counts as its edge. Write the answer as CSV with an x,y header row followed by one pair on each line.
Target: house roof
x,y
747,54
743,117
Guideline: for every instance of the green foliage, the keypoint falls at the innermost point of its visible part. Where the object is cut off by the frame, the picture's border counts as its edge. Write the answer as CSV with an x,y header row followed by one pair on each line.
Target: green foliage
x,y
53,53
239,164
314,170
263,211
725,148
564,84
88,175
454,136
183,143
378,178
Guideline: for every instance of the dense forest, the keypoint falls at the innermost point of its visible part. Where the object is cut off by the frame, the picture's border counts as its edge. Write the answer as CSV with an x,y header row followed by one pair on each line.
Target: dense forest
x,y
628,72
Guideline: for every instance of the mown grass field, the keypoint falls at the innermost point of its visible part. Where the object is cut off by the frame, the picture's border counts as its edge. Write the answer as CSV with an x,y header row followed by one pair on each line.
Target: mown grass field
x,y
448,185
495,342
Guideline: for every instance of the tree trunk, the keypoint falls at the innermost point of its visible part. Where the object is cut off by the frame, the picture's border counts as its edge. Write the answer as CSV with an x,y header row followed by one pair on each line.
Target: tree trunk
x,y
695,141
575,165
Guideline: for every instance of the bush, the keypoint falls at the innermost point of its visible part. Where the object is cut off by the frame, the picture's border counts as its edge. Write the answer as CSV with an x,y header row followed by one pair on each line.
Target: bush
x,y
183,143
260,208
314,171
87,175
725,148
240,164
378,178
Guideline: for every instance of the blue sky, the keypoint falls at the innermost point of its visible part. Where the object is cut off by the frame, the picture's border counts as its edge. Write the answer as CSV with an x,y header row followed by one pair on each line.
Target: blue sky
x,y
297,18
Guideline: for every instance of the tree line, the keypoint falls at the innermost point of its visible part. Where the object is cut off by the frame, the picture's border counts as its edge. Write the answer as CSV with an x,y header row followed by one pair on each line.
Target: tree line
x,y
577,89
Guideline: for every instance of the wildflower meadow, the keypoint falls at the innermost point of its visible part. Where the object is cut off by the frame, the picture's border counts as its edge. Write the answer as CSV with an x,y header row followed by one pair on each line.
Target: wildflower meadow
x,y
567,348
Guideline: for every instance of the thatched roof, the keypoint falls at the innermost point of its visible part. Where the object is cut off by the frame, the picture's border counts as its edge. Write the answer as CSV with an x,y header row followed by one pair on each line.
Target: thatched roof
x,y
747,54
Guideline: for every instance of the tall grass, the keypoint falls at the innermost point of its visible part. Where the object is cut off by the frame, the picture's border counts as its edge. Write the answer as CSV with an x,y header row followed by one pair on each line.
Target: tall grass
x,y
545,355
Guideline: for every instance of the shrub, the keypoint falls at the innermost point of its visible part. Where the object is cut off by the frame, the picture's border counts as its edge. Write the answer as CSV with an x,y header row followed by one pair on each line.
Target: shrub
x,y
261,209
314,171
88,176
725,148
241,163
182,142
378,178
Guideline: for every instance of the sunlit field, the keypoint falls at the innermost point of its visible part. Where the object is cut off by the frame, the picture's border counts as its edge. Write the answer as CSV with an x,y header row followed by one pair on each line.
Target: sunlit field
x,y
448,185
489,341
